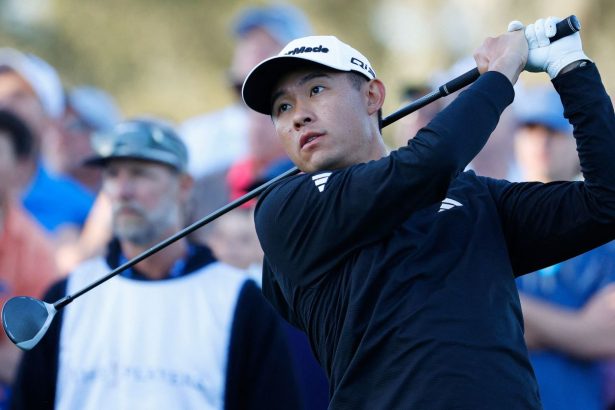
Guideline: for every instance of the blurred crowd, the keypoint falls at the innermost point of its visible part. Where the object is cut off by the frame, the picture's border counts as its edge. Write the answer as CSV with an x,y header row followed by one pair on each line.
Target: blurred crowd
x,y
58,211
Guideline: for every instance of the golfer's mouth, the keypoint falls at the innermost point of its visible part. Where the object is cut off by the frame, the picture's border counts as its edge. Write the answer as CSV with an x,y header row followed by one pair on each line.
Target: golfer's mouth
x,y
309,138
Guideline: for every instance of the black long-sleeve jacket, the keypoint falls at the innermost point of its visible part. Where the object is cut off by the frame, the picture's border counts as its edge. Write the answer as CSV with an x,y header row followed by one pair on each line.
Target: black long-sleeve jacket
x,y
401,270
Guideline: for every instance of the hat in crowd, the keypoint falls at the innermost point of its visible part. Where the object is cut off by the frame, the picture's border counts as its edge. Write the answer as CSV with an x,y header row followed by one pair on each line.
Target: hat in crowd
x,y
42,77
18,131
147,139
94,106
324,51
283,22
540,106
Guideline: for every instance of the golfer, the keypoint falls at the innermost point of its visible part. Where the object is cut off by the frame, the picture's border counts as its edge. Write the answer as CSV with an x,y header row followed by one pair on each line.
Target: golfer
x,y
399,266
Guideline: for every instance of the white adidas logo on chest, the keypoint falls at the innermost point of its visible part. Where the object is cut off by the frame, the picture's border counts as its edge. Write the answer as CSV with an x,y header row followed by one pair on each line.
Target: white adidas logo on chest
x,y
320,180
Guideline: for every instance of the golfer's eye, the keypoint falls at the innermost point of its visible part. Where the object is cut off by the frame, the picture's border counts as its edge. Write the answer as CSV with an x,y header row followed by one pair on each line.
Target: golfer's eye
x,y
316,90
283,108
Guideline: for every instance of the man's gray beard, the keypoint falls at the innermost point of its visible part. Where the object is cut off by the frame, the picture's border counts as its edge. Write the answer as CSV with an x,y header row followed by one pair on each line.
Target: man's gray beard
x,y
142,234
145,229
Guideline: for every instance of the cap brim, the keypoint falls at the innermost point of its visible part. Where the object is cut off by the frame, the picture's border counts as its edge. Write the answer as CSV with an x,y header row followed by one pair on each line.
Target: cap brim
x,y
552,122
259,84
101,162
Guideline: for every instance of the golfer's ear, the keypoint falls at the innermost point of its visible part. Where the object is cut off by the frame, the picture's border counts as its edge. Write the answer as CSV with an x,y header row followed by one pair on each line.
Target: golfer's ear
x,y
375,96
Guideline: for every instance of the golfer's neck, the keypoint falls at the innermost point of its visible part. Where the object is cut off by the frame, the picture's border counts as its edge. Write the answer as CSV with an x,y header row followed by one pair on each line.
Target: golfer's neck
x,y
158,265
378,149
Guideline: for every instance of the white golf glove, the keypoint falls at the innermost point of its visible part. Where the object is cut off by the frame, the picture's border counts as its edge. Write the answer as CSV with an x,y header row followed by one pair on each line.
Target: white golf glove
x,y
546,56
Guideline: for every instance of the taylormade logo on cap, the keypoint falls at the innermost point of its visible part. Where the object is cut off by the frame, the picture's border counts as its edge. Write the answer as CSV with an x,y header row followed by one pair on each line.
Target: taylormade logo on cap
x,y
329,51
319,49
326,51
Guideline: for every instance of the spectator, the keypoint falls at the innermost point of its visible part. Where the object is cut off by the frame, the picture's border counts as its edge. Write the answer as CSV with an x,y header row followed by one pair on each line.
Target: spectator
x,y
27,264
233,240
179,330
219,138
264,160
88,110
543,144
91,241
407,127
31,87
569,323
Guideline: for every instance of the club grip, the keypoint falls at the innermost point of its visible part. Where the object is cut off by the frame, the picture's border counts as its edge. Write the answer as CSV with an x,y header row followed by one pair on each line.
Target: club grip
x,y
566,27
458,83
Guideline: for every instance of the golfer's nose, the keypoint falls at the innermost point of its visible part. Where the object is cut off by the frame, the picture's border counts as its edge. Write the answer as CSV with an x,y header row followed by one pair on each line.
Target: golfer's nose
x,y
302,115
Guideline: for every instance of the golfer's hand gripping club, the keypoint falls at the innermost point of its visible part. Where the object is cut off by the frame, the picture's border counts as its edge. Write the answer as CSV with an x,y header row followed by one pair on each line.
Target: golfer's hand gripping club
x,y
553,44
563,31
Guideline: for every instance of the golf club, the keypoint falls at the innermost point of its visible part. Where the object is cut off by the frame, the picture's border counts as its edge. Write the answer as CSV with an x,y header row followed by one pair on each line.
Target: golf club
x,y
26,319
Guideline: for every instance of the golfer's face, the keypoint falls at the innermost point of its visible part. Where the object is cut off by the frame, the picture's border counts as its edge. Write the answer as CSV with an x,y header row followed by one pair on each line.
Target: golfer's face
x,y
322,119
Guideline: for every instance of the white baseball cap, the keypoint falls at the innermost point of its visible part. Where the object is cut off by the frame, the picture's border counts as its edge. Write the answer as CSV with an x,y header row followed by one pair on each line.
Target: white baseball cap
x,y
42,77
327,51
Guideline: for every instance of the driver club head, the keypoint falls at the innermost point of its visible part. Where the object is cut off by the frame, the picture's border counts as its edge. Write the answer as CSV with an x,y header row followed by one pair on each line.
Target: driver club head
x,y
26,320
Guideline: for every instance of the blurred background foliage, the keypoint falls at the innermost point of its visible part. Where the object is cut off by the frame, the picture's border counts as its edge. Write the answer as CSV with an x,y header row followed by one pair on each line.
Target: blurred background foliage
x,y
169,57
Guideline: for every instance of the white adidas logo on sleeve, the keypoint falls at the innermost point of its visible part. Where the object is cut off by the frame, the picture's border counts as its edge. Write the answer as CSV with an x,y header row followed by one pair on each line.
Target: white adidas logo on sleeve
x,y
448,204
320,180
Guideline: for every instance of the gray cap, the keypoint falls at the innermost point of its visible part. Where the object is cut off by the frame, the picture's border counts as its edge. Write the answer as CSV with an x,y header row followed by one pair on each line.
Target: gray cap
x,y
147,139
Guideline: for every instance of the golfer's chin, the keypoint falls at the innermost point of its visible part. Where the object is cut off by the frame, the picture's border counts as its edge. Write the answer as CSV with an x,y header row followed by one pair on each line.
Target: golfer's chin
x,y
322,161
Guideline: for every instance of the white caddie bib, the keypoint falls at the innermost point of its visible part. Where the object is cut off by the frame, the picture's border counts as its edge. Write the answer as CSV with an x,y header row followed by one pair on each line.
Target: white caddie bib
x,y
131,344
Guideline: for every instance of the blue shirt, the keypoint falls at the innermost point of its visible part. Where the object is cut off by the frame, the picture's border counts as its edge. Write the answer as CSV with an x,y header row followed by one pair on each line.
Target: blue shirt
x,y
57,200
566,382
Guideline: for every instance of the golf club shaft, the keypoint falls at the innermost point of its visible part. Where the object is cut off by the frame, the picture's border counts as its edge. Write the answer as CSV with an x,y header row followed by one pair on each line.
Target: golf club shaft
x,y
565,27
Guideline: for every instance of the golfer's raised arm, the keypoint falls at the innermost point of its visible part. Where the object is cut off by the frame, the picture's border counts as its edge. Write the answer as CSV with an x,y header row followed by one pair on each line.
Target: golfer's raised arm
x,y
544,221
548,223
